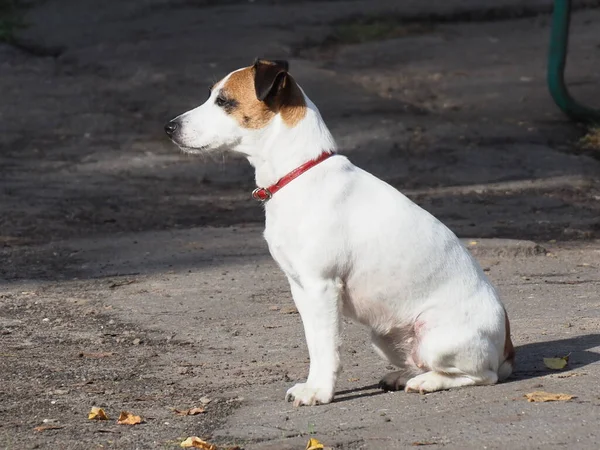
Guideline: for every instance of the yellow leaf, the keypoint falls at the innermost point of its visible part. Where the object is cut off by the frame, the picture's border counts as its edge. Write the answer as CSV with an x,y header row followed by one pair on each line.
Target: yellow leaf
x,y
540,396
189,412
556,363
313,444
97,414
196,442
126,418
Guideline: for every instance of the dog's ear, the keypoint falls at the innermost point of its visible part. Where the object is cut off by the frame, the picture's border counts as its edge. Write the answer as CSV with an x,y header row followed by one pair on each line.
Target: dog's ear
x,y
269,76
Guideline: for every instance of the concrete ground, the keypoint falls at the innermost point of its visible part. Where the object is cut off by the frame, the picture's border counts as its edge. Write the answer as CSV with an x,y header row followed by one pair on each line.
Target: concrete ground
x,y
135,278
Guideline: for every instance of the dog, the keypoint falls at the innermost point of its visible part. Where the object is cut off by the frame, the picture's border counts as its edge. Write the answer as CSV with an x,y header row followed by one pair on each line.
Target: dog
x,y
352,245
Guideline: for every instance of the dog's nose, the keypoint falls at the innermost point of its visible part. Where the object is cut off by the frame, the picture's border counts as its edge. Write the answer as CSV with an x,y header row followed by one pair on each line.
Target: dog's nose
x,y
171,127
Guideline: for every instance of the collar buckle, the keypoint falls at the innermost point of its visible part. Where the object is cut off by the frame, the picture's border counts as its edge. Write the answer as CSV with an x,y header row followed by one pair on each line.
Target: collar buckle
x,y
261,194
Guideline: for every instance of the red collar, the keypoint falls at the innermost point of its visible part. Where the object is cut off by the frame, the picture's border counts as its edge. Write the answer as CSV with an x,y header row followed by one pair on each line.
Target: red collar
x,y
264,194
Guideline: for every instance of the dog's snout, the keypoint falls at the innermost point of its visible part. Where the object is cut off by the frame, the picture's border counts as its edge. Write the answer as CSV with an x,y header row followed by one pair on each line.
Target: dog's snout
x,y
171,128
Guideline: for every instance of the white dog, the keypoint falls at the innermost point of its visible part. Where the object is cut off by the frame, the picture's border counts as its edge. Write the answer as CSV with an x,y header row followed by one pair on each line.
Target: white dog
x,y
351,244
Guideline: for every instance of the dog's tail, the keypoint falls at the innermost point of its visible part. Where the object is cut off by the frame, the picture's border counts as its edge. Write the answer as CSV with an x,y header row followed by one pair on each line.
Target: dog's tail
x,y
507,366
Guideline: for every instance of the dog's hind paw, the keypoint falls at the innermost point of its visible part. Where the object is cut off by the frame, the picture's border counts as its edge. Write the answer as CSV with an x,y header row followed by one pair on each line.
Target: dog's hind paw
x,y
393,381
303,394
436,381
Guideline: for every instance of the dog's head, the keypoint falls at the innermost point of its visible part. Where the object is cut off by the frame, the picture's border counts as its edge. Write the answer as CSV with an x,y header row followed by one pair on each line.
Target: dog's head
x,y
239,108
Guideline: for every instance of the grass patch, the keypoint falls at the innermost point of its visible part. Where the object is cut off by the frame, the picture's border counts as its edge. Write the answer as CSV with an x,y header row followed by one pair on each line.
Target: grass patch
x,y
375,29
10,20
591,141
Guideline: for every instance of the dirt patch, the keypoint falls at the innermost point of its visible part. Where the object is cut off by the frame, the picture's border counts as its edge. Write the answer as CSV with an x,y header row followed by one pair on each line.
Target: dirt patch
x,y
54,370
380,27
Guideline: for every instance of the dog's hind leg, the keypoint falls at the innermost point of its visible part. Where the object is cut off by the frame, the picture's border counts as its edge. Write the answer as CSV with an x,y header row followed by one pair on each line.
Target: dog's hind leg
x,y
392,347
454,361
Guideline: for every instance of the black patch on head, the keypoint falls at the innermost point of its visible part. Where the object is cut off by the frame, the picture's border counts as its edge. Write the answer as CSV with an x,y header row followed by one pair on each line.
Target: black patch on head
x,y
246,119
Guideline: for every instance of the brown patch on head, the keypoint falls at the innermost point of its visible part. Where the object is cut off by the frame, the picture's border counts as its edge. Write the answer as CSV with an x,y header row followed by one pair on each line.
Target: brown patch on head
x,y
509,349
281,96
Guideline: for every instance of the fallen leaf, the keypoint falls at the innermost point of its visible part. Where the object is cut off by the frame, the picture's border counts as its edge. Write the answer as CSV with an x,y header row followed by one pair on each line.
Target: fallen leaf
x,y
189,412
470,243
97,414
127,418
48,427
314,444
541,396
556,363
96,355
196,442
353,379
289,310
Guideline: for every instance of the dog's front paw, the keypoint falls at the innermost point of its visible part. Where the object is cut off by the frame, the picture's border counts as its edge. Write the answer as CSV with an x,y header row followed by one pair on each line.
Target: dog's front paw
x,y
304,394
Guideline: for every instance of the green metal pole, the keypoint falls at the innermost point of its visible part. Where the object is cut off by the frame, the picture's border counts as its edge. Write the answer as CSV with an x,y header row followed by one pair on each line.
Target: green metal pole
x,y
559,41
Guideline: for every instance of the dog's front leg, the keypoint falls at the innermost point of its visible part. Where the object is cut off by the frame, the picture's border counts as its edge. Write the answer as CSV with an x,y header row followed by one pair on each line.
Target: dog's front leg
x,y
318,303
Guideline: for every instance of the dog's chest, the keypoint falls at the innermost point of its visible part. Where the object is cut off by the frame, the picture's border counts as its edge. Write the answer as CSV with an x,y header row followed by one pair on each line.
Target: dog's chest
x,y
280,248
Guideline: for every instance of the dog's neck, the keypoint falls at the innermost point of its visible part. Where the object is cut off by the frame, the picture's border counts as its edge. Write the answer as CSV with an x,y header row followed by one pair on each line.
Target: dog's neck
x,y
278,149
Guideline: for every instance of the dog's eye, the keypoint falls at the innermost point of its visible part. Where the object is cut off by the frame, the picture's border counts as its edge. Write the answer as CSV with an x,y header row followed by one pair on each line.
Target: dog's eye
x,y
221,101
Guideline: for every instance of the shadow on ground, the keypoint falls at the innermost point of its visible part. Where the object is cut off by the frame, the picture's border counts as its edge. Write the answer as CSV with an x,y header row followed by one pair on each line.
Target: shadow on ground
x,y
475,140
529,361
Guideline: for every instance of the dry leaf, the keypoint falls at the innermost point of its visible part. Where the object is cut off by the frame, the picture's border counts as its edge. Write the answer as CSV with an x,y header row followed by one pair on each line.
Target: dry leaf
x,y
313,444
48,427
189,412
196,442
126,418
540,396
556,363
97,414
289,310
